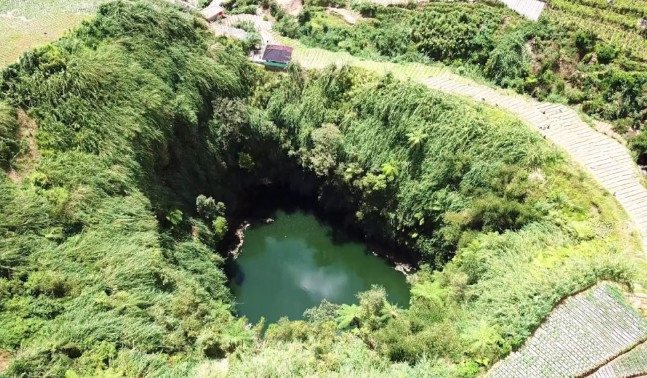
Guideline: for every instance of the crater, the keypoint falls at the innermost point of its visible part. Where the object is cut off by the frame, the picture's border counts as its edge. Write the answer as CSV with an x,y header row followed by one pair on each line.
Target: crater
x,y
293,261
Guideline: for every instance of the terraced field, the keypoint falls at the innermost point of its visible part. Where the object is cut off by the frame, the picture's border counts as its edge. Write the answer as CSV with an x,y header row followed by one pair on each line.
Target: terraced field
x,y
26,24
617,23
580,337
630,364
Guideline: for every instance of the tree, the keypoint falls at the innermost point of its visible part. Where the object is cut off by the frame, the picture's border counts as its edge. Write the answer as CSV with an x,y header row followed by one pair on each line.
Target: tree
x,y
390,171
416,138
208,207
175,217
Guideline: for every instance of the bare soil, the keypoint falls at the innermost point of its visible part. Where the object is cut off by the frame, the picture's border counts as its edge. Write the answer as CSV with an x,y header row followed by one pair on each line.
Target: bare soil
x,y
5,359
349,16
27,128
292,7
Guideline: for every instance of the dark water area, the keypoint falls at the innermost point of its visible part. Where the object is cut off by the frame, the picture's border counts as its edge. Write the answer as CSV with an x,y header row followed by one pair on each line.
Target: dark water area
x,y
296,261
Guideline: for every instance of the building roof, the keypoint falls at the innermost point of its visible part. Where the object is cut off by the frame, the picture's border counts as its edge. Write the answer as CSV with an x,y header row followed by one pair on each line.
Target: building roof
x,y
278,53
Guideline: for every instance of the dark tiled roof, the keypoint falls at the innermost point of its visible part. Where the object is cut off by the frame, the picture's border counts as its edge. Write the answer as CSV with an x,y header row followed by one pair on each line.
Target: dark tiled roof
x,y
278,53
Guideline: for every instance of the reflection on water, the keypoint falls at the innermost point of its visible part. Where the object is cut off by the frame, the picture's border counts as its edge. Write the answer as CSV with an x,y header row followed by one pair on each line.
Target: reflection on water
x,y
292,264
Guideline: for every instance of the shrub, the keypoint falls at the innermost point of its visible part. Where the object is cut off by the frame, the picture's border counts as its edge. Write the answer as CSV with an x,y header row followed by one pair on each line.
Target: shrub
x,y
639,145
606,52
509,64
325,3
365,8
585,41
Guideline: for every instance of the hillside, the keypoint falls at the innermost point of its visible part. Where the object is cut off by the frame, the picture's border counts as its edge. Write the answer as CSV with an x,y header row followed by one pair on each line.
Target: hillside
x,y
130,146
566,57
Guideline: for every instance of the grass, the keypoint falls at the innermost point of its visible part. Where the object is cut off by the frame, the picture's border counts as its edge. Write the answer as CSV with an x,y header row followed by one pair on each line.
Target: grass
x,y
27,24
318,58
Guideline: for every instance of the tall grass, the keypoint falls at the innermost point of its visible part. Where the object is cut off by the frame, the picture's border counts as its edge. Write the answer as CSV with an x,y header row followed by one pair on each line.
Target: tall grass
x,y
89,279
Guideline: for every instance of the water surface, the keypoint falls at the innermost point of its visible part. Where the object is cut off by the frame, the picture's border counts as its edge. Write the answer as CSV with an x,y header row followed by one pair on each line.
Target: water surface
x,y
293,263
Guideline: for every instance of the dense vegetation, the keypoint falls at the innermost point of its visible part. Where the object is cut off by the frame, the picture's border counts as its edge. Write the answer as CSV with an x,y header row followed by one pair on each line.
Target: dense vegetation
x,y
554,59
151,134
89,278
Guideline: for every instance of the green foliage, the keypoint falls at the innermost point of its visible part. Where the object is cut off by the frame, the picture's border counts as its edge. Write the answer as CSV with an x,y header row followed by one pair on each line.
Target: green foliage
x,y
418,169
585,41
547,59
208,207
220,227
606,53
92,277
175,217
387,156
509,64
326,3
639,145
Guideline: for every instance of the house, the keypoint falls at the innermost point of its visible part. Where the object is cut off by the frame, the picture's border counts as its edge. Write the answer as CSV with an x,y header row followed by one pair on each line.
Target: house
x,y
277,56
213,12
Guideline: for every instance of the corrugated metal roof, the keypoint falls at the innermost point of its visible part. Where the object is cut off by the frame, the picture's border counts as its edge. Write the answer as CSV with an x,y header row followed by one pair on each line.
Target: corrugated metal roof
x,y
278,53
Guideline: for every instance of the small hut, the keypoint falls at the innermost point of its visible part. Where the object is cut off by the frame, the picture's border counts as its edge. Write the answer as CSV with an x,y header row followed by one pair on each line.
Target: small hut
x,y
213,12
277,56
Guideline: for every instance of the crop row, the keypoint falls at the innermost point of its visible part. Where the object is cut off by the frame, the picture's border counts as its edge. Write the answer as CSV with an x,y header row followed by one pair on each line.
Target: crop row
x,y
606,15
631,42
627,7
587,329
631,364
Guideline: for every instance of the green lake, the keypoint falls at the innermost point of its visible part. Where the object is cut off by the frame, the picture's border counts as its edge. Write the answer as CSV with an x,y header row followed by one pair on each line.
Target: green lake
x,y
296,261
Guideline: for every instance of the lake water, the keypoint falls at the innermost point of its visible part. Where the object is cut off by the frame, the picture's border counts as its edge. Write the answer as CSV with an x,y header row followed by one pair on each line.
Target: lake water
x,y
293,263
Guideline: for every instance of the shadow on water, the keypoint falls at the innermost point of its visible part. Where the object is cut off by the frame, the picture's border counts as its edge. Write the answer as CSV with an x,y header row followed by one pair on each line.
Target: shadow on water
x,y
299,257
262,203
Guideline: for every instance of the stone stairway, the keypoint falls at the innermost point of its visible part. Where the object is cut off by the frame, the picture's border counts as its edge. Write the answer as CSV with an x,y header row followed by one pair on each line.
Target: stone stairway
x,y
604,158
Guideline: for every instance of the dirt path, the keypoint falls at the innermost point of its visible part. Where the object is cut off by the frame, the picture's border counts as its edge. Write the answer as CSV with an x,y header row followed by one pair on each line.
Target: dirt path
x,y
351,17
4,361
27,129
263,27
292,7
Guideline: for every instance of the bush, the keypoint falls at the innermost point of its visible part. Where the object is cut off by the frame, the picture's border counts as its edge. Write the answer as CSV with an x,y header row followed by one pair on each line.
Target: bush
x,y
585,41
509,64
325,3
638,144
606,53
365,8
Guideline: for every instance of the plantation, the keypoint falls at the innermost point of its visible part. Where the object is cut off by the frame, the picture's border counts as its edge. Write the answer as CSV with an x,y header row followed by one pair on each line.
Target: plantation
x,y
152,136
25,24
565,57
